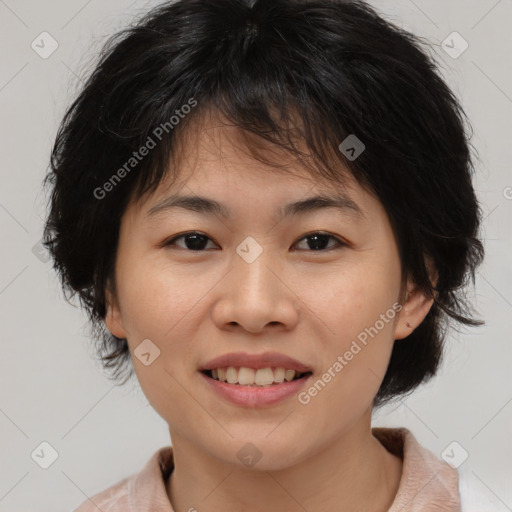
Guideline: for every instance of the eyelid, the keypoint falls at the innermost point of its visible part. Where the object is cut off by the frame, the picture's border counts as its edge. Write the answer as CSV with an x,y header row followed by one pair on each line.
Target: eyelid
x,y
173,238
340,241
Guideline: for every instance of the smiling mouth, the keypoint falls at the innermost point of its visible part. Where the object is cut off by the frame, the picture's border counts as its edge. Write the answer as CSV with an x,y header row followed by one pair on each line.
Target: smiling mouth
x,y
250,377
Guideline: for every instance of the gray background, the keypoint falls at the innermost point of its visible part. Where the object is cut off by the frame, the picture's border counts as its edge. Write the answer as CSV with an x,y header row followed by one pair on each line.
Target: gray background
x,y
51,387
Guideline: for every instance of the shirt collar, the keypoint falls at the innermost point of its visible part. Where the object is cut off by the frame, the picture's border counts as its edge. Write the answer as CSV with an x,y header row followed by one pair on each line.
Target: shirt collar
x,y
427,483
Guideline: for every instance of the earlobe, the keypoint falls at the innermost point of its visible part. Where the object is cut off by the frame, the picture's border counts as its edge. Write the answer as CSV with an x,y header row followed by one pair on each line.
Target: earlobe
x,y
113,319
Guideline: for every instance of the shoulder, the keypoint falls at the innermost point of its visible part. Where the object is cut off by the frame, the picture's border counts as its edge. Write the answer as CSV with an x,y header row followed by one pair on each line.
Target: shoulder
x,y
139,492
427,482
110,500
459,485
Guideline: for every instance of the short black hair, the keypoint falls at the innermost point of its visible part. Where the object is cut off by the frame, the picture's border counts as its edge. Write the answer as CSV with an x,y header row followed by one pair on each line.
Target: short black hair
x,y
294,73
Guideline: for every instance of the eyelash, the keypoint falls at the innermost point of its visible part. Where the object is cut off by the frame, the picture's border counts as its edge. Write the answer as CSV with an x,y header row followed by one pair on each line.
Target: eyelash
x,y
308,235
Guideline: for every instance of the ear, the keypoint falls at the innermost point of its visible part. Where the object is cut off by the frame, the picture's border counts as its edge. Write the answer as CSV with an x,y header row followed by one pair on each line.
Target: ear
x,y
416,306
113,318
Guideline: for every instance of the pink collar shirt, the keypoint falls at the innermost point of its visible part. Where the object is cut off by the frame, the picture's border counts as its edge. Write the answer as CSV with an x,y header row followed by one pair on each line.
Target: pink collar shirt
x,y
428,484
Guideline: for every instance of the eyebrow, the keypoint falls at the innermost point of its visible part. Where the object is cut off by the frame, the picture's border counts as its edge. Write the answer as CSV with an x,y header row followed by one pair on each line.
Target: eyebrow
x,y
204,205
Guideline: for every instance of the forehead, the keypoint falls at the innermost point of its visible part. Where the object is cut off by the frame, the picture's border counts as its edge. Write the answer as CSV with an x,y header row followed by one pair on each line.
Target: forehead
x,y
217,164
214,152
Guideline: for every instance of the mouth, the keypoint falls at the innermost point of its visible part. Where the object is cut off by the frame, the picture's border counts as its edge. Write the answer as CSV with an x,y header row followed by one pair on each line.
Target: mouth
x,y
255,377
255,380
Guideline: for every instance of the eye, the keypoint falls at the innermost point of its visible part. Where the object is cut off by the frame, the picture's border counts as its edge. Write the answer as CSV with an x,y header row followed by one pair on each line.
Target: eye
x,y
319,239
193,240
196,241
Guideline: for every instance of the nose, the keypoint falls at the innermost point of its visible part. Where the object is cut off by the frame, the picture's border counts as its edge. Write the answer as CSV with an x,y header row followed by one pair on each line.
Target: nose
x,y
257,295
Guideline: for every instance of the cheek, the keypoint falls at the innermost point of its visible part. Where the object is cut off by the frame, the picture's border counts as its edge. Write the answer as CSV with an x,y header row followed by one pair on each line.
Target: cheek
x,y
156,297
158,305
162,303
352,297
358,306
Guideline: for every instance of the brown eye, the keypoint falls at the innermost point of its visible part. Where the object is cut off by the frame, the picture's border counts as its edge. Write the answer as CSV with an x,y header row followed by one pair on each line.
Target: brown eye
x,y
193,241
319,241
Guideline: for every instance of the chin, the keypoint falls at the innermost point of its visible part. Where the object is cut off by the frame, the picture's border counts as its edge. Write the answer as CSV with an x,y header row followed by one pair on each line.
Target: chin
x,y
260,454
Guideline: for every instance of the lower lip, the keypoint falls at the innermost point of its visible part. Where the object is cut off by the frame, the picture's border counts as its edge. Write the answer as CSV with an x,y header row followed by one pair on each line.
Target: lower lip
x,y
253,396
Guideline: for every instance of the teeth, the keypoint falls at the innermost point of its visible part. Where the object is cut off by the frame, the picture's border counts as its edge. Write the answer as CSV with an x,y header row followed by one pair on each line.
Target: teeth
x,y
289,374
279,374
246,376
232,375
264,377
251,377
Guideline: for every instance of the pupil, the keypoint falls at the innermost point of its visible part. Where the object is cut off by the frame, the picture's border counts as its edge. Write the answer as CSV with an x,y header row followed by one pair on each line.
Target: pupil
x,y
198,242
318,245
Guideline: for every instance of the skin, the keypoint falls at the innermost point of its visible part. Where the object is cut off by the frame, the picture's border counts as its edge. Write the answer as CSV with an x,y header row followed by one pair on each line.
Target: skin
x,y
307,304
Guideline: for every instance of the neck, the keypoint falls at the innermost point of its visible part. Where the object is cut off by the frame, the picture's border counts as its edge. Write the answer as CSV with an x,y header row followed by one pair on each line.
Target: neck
x,y
352,474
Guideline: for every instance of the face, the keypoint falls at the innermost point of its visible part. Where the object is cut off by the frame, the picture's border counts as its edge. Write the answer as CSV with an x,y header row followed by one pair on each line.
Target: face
x,y
267,286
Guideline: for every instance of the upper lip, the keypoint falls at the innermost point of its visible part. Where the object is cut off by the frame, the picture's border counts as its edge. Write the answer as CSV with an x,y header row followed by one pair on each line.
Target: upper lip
x,y
256,361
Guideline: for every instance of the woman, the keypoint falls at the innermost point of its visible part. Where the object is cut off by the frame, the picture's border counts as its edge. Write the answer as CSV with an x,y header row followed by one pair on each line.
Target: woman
x,y
267,210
